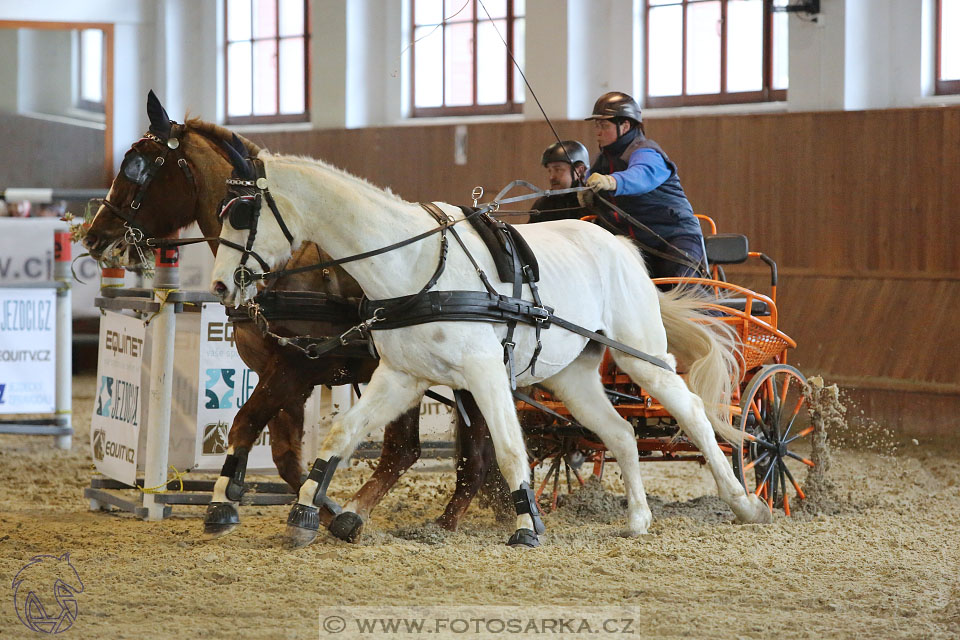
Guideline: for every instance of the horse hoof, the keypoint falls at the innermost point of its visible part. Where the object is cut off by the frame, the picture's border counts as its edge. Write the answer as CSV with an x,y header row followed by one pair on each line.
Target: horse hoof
x,y
347,526
448,524
523,539
302,526
221,519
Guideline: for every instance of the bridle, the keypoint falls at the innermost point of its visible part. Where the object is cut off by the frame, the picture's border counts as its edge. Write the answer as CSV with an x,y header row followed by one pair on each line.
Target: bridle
x,y
241,207
140,170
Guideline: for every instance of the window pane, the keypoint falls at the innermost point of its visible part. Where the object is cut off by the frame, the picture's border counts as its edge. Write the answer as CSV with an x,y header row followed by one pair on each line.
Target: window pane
x,y
744,45
291,17
491,63
458,10
950,40
781,47
703,48
239,79
292,76
264,18
428,11
91,75
496,9
458,67
264,77
238,20
519,7
665,51
428,72
654,3
519,49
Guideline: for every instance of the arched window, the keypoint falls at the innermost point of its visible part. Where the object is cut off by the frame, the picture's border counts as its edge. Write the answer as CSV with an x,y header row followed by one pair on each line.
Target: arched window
x,y
459,61
948,46
267,62
714,52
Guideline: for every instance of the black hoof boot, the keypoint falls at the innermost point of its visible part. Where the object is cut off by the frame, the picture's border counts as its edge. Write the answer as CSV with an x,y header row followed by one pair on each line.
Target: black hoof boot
x,y
347,526
221,519
523,539
302,526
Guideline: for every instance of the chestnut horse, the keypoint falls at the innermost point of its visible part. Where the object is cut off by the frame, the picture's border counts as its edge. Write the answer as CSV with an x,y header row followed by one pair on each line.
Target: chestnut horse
x,y
187,187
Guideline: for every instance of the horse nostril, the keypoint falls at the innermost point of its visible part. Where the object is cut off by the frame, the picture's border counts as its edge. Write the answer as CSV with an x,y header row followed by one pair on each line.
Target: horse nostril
x,y
219,288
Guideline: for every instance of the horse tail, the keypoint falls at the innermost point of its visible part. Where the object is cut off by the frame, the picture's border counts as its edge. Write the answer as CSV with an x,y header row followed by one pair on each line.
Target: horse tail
x,y
707,348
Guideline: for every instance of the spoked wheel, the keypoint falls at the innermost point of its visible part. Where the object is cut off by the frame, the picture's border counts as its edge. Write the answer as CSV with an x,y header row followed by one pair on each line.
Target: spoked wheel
x,y
564,466
773,422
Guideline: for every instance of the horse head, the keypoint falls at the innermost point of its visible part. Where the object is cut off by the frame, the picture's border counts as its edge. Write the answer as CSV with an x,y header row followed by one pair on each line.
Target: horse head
x,y
45,593
254,238
157,190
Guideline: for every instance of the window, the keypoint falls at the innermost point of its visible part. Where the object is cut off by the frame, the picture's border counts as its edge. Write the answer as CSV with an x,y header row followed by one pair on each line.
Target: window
x,y
948,46
715,52
91,70
460,64
267,66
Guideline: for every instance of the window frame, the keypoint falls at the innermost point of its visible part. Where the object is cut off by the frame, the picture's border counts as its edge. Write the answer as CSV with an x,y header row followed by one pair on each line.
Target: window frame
x,y
942,87
80,102
278,118
508,107
766,94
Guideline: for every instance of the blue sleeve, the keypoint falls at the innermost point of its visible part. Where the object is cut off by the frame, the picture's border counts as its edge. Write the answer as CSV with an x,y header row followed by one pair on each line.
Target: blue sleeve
x,y
645,172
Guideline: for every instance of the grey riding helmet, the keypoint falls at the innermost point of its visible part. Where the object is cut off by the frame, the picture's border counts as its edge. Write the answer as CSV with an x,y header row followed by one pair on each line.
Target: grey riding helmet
x,y
616,104
569,151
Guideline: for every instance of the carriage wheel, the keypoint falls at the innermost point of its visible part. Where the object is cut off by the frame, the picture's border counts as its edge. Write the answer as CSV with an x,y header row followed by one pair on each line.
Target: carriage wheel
x,y
563,460
773,421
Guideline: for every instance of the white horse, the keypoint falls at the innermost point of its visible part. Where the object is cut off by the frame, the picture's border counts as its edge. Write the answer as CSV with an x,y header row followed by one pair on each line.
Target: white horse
x,y
589,276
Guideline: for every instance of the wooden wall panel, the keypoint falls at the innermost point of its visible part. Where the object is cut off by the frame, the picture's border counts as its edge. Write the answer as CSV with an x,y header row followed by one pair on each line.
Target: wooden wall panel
x,y
42,153
861,210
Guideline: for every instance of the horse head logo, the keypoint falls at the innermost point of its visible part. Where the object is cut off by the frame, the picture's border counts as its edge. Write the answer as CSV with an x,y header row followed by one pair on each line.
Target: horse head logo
x,y
45,593
98,437
215,438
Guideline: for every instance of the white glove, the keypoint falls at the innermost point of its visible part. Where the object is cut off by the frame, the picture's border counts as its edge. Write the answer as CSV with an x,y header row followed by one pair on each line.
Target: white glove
x,y
601,182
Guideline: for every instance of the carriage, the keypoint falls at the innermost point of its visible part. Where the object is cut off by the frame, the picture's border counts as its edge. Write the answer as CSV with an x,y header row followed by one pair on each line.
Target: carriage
x,y
768,405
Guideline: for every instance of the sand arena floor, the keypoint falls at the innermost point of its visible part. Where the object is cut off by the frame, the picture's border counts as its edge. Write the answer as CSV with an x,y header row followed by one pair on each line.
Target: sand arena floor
x,y
876,558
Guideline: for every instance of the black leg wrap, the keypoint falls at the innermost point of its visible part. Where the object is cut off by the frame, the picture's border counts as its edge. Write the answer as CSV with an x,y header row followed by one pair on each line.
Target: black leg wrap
x,y
524,502
235,468
347,526
221,517
322,473
523,538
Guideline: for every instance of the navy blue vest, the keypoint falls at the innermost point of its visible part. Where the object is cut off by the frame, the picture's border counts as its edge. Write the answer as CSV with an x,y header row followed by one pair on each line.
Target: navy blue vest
x,y
665,210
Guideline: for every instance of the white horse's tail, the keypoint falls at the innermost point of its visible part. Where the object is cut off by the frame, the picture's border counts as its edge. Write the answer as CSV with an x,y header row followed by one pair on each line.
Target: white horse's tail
x,y
706,349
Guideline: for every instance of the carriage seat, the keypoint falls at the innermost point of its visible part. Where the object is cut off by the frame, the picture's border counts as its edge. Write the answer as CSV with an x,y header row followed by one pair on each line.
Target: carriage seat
x,y
757,308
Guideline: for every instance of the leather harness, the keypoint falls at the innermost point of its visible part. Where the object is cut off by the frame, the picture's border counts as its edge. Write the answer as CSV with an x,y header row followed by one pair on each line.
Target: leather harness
x,y
425,305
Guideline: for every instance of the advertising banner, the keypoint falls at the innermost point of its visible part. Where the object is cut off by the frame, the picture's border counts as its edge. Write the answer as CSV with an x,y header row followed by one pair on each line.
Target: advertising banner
x,y
28,347
117,407
225,383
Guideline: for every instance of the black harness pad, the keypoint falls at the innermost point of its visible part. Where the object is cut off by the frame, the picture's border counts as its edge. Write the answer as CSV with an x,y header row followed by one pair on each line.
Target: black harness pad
x,y
492,231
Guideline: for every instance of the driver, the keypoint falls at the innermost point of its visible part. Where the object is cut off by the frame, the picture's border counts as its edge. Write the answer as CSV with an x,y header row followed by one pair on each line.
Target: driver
x,y
566,163
638,177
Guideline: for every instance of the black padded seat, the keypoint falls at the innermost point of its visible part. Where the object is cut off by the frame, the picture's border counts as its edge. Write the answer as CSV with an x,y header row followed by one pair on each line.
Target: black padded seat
x,y
758,308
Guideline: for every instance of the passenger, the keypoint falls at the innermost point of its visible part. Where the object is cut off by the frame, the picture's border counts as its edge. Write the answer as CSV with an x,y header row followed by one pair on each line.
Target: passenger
x,y
566,164
640,179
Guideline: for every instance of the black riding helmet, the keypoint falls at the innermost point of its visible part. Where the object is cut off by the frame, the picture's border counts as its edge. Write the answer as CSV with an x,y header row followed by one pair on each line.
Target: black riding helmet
x,y
616,104
569,151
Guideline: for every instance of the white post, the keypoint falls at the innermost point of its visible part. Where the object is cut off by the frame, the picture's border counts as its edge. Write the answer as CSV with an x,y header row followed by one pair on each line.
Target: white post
x,y
167,279
64,382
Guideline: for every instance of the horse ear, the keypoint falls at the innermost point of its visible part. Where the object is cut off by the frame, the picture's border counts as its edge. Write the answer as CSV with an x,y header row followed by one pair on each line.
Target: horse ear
x,y
159,120
241,148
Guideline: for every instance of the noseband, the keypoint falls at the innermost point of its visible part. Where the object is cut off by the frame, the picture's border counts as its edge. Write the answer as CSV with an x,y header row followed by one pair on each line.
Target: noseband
x,y
137,168
242,208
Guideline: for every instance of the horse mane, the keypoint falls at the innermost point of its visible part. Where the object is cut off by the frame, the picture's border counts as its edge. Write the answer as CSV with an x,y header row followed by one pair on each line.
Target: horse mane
x,y
217,132
357,181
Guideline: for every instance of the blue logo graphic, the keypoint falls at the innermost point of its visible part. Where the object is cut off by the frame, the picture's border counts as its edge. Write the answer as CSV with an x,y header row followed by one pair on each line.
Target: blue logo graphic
x,y
219,388
105,396
3,388
45,594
